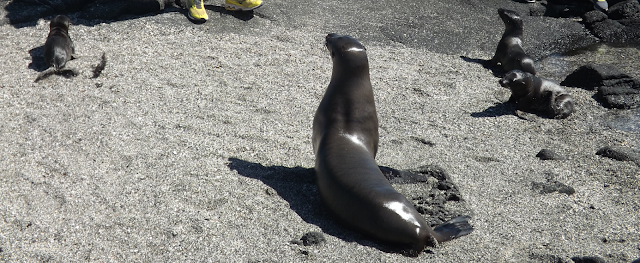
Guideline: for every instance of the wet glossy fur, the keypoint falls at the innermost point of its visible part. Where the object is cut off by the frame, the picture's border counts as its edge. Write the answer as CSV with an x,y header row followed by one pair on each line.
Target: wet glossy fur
x,y
509,53
58,49
534,94
345,142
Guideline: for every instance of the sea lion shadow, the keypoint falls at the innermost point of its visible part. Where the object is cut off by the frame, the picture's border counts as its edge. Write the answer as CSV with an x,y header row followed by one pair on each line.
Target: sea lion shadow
x,y
37,59
496,110
496,70
297,186
242,15
66,73
38,64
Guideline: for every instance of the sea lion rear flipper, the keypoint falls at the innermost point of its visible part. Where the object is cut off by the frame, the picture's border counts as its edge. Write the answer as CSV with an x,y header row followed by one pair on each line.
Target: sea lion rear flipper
x,y
452,229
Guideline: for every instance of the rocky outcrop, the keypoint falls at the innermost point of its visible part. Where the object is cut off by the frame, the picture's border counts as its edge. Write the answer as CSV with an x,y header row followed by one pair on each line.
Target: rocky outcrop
x,y
615,88
621,25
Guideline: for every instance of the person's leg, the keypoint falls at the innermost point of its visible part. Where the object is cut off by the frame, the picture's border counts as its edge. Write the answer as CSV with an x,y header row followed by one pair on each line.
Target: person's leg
x,y
242,5
196,10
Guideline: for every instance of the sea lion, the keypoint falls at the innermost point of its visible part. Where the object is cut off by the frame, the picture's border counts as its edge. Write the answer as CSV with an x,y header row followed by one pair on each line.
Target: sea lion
x,y
509,52
58,49
531,93
345,143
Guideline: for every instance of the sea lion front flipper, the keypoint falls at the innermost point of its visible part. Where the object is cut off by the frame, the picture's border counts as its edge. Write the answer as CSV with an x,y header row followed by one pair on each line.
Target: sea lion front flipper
x,y
525,115
452,229
493,62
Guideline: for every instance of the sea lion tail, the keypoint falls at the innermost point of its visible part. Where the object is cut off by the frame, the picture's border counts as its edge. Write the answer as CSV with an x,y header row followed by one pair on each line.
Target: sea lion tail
x,y
452,229
45,74
59,58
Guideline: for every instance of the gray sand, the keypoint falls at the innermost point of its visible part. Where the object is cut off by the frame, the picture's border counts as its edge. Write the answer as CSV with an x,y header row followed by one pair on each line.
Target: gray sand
x,y
133,166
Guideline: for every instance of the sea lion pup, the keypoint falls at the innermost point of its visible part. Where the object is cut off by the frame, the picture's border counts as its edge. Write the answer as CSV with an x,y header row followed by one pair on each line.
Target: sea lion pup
x,y
58,49
531,93
345,143
509,52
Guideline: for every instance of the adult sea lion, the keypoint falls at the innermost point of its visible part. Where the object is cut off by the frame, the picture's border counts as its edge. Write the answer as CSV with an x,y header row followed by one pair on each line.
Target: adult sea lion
x,y
509,52
531,93
58,49
345,142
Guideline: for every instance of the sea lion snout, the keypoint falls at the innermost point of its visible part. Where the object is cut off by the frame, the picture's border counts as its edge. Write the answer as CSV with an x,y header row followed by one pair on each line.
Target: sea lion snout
x,y
342,44
508,15
511,77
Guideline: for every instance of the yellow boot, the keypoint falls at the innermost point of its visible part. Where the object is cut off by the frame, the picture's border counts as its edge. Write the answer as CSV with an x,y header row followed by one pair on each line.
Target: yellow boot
x,y
242,5
197,11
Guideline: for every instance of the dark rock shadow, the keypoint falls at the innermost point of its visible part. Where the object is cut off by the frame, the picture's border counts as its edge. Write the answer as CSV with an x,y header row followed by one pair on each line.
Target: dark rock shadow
x,y
497,110
37,59
25,13
496,70
241,15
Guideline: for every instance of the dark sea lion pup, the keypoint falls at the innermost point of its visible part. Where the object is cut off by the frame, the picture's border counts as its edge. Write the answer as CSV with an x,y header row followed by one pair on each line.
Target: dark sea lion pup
x,y
58,49
345,142
531,93
509,52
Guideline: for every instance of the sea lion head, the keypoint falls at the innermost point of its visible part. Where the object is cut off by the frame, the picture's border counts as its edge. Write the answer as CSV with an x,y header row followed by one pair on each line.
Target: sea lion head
x,y
60,21
514,78
519,82
346,50
510,18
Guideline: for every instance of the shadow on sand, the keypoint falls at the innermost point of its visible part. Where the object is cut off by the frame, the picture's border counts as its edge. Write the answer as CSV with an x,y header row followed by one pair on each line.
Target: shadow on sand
x,y
26,13
496,110
297,186
485,63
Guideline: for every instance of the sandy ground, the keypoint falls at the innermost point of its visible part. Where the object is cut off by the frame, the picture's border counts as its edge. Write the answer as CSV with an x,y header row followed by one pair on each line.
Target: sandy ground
x,y
194,146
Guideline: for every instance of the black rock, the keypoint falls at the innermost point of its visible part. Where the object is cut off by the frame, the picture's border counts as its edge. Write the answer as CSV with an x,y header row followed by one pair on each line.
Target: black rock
x,y
546,258
593,17
550,187
620,26
620,153
537,10
588,260
629,9
546,154
598,75
402,177
616,89
312,238
434,171
619,97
